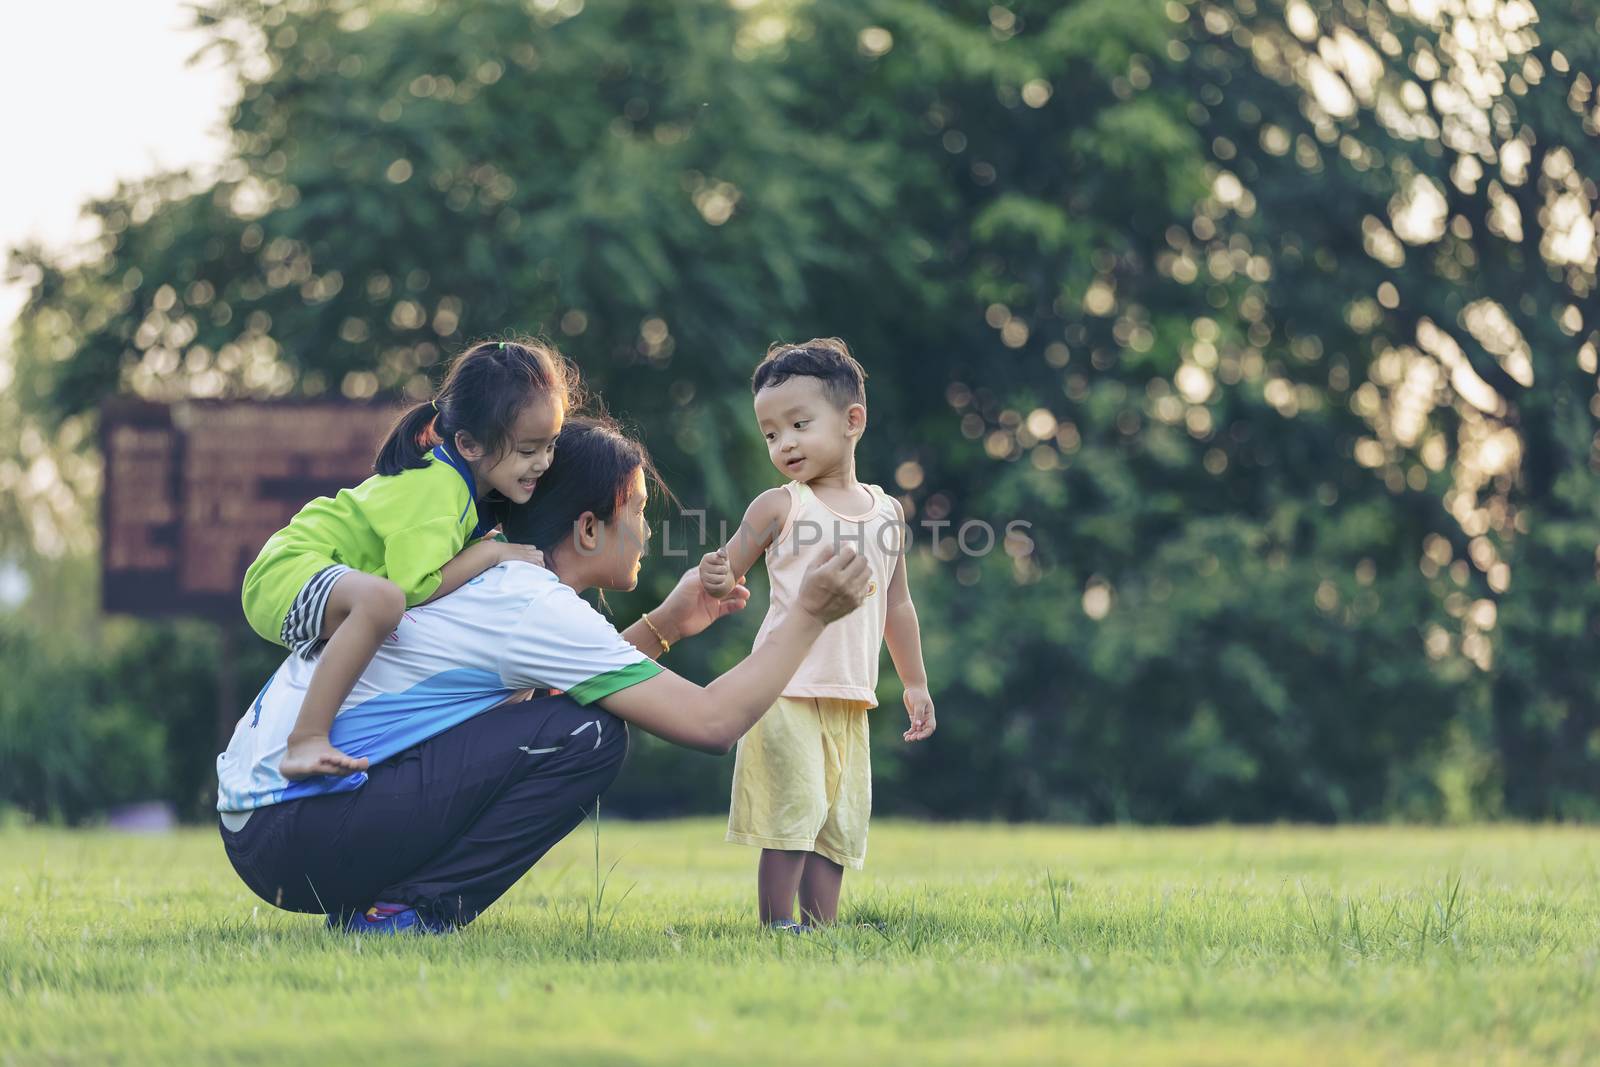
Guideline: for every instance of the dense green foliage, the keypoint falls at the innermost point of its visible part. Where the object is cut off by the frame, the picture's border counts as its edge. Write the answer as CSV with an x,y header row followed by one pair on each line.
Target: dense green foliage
x,y
1275,321
961,944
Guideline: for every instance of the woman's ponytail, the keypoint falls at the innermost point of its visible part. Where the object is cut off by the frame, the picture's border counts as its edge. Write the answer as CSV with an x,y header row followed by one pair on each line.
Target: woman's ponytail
x,y
408,442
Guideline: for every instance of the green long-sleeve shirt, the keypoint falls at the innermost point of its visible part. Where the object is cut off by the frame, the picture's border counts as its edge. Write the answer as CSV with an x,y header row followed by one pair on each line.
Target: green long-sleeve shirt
x,y
403,527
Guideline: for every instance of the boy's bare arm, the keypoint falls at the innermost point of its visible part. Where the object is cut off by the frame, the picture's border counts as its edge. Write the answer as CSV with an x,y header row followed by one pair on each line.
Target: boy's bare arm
x,y
722,569
903,634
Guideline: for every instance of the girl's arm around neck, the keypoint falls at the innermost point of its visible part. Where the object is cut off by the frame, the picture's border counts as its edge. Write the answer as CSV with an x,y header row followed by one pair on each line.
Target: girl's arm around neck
x,y
465,566
475,559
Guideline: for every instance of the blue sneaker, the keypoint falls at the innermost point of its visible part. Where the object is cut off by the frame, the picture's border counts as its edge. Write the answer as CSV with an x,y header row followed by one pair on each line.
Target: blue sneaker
x,y
384,918
789,926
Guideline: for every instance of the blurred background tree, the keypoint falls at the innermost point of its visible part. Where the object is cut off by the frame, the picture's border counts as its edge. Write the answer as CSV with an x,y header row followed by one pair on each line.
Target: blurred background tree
x,y
1274,321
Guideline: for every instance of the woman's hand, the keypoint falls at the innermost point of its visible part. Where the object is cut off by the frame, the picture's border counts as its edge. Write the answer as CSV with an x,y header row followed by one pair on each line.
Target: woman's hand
x,y
689,608
836,585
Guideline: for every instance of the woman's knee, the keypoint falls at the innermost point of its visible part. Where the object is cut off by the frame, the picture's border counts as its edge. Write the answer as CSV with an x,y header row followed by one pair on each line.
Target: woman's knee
x,y
594,735
614,740
603,761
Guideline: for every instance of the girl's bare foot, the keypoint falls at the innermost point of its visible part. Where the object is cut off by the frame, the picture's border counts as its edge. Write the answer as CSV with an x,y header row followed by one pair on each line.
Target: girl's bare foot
x,y
309,756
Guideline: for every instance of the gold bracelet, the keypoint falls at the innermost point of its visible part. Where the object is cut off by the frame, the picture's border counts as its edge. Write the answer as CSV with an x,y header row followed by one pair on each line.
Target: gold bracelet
x,y
665,645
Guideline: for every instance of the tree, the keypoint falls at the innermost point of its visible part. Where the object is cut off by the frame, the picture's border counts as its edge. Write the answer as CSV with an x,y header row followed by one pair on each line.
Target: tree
x,y
1116,270
1439,163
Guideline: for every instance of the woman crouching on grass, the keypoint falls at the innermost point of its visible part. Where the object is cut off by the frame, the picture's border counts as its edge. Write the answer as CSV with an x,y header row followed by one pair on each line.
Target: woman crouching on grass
x,y
469,784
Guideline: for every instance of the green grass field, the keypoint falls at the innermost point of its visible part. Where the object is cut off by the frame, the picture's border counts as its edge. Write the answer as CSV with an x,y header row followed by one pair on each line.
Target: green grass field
x,y
963,944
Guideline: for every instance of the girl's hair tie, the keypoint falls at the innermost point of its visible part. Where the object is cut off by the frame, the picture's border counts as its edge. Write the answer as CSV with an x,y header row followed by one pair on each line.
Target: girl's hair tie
x,y
430,435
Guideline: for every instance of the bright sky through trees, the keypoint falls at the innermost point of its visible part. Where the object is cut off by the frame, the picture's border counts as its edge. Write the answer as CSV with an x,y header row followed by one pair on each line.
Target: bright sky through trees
x,y
96,91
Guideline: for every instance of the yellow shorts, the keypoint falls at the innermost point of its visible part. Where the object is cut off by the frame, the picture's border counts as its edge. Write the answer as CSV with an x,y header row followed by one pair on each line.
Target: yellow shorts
x,y
802,780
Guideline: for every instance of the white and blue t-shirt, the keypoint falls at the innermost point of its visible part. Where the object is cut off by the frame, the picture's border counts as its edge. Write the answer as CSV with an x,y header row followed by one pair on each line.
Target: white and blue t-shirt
x,y
513,627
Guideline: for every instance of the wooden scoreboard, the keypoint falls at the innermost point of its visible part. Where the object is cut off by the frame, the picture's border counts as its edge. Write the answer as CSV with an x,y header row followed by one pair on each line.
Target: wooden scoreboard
x,y
194,489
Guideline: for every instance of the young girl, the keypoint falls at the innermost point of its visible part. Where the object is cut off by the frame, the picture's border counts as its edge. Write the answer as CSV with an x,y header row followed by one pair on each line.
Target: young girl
x,y
339,577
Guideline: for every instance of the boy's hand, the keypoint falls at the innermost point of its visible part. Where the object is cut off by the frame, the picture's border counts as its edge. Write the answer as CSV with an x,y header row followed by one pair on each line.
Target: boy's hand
x,y
919,705
716,574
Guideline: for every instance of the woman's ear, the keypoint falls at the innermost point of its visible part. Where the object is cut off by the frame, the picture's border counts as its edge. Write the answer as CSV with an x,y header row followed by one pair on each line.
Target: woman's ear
x,y
467,446
586,534
855,420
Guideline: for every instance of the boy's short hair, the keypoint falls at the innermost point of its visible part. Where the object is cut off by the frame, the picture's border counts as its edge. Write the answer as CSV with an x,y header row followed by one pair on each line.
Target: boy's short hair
x,y
827,359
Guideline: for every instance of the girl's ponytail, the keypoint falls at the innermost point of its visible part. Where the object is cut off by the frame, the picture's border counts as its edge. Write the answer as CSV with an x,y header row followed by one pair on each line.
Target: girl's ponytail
x,y
406,444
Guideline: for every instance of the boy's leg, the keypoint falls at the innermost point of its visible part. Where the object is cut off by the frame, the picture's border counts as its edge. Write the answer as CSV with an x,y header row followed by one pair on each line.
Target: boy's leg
x,y
819,890
362,611
779,800
777,881
842,841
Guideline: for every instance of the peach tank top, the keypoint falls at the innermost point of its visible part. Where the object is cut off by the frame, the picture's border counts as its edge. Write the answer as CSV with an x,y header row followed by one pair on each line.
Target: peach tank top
x,y
843,664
